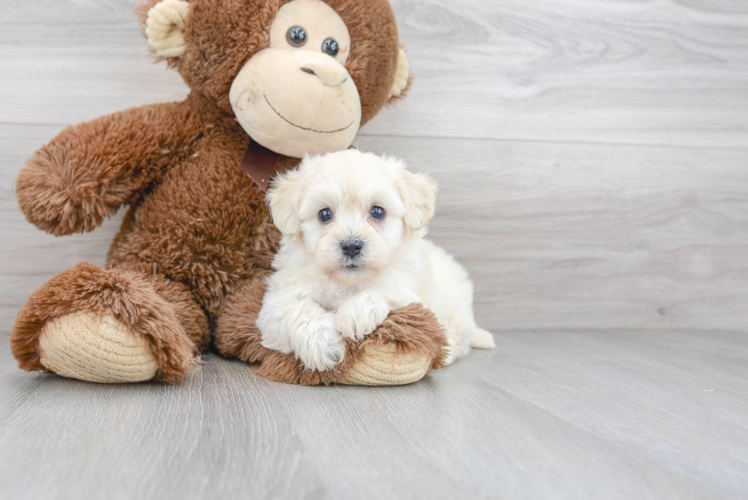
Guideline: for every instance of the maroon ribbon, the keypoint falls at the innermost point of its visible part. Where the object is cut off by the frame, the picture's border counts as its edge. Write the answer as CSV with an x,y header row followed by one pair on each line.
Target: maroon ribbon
x,y
260,164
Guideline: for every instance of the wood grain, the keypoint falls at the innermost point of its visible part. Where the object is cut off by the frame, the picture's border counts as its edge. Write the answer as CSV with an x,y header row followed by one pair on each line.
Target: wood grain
x,y
548,415
660,73
554,235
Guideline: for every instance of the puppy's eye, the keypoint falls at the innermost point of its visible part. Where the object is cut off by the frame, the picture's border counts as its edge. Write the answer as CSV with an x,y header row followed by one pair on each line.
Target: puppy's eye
x,y
330,47
325,215
296,36
377,213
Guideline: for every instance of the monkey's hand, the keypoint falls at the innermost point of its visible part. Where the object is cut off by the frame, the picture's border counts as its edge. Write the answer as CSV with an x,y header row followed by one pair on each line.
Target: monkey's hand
x,y
89,171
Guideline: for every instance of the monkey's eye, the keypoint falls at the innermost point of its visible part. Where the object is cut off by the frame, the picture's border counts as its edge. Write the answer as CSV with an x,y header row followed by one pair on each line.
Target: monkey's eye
x,y
296,36
377,213
325,215
330,47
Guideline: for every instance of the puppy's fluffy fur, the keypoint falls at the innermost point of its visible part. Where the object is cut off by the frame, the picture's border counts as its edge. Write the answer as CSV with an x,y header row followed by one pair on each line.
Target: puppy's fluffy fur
x,y
342,277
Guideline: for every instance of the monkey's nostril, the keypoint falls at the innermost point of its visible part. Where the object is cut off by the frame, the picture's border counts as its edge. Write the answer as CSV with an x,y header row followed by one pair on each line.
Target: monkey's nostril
x,y
309,70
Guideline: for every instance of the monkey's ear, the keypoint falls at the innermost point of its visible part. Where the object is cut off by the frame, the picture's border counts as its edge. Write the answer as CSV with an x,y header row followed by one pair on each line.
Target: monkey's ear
x,y
284,198
165,27
418,192
402,75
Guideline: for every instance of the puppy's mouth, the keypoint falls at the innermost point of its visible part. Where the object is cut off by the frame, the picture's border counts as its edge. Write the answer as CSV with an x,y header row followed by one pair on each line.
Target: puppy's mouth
x,y
352,265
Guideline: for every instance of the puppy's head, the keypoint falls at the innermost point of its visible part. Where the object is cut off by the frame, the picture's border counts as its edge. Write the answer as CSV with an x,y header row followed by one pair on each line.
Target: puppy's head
x,y
352,210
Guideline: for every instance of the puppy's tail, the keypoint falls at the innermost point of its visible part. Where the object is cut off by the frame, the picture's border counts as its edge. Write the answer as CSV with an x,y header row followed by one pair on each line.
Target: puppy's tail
x,y
482,339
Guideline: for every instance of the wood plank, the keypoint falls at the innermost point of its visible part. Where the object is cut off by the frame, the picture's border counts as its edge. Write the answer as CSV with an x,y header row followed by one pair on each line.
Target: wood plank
x,y
674,397
619,72
661,73
217,433
591,236
554,235
625,414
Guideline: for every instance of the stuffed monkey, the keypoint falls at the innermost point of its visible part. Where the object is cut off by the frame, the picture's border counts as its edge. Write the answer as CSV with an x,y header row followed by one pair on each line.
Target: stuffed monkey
x,y
270,81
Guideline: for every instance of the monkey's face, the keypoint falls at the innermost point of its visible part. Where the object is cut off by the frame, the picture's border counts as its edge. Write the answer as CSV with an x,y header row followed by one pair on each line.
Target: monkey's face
x,y
301,76
296,96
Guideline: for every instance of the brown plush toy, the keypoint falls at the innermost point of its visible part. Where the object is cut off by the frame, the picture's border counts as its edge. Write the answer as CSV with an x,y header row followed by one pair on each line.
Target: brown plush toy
x,y
270,81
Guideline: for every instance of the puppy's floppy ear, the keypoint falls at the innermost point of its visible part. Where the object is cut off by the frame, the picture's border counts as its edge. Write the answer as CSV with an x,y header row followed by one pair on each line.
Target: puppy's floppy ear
x,y
284,197
418,192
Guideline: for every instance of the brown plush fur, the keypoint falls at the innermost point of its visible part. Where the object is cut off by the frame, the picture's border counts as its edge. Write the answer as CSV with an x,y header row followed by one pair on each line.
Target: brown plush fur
x,y
222,35
89,170
163,312
411,329
198,232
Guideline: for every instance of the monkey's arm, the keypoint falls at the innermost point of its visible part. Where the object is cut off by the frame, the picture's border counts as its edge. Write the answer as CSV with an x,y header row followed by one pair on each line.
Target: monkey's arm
x,y
89,171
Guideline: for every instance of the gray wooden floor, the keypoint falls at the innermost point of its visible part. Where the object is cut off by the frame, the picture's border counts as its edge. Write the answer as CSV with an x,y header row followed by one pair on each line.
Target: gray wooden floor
x,y
593,163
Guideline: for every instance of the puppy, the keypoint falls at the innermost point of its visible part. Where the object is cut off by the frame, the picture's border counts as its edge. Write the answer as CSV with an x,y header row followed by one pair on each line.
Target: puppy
x,y
352,251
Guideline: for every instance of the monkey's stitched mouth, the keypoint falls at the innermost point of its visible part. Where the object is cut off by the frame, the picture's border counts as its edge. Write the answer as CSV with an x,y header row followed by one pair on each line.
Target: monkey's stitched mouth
x,y
305,128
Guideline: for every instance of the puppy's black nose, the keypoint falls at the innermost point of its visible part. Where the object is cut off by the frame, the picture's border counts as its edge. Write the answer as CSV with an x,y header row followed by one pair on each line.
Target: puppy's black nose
x,y
352,247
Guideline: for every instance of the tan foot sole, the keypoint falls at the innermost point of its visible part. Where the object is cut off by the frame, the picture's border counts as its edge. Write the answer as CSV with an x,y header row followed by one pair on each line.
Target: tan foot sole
x,y
380,365
96,349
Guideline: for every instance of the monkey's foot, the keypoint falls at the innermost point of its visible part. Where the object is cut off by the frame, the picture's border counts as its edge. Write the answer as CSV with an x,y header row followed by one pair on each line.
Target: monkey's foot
x,y
106,325
380,364
402,350
95,349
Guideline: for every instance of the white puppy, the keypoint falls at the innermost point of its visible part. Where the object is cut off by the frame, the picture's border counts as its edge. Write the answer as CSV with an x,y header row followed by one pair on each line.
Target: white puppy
x,y
352,251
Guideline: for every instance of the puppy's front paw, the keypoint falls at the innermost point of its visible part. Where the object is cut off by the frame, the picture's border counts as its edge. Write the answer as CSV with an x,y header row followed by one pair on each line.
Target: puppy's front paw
x,y
361,315
317,344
